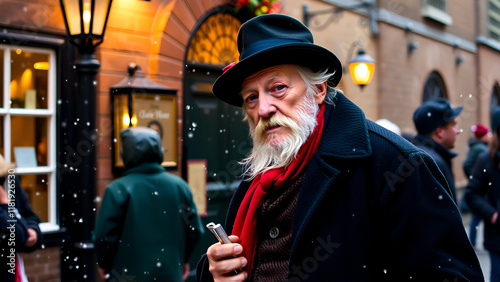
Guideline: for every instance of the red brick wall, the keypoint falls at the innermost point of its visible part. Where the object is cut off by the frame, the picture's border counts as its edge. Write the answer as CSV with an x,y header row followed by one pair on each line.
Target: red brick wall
x,y
42,264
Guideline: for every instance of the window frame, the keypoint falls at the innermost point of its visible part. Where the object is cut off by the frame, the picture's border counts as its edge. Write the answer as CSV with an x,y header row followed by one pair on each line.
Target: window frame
x,y
435,13
50,113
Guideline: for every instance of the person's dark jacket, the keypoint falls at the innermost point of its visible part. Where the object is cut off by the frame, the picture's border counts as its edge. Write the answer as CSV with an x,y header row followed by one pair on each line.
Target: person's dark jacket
x,y
148,225
373,207
482,195
28,219
441,156
476,147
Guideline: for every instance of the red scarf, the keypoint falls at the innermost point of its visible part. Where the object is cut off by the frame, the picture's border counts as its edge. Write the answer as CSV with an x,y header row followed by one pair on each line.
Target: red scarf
x,y
246,219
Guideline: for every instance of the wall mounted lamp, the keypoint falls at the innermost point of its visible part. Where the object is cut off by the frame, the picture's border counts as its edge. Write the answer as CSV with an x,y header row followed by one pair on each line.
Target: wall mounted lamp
x,y
362,66
459,58
412,44
368,5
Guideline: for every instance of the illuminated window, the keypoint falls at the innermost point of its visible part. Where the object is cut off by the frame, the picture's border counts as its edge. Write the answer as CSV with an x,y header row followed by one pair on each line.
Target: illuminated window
x,y
27,124
215,41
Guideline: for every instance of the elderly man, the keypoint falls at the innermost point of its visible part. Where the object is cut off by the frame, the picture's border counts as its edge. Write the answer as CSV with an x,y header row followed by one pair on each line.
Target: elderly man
x,y
435,121
327,195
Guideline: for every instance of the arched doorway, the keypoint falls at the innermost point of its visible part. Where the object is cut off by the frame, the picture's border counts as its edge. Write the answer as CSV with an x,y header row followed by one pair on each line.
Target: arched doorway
x,y
215,138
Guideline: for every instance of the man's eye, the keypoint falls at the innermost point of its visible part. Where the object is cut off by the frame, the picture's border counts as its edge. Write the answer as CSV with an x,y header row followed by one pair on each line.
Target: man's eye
x,y
279,87
251,98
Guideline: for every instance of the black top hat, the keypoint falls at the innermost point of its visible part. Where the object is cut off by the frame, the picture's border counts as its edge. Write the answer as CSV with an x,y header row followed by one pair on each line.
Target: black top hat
x,y
433,114
269,40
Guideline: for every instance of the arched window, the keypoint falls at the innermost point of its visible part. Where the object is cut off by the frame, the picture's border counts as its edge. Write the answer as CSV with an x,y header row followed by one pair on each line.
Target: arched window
x,y
495,99
434,87
215,41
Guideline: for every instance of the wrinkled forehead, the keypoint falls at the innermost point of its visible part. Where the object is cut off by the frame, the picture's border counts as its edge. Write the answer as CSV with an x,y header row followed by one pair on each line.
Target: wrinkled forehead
x,y
271,73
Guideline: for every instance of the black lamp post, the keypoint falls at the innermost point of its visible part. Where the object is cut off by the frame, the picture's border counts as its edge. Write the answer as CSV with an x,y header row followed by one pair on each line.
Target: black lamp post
x,y
85,22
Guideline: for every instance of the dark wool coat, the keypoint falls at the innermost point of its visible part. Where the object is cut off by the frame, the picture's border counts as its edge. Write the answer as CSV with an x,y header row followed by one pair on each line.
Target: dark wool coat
x,y
28,219
147,226
441,156
373,207
482,195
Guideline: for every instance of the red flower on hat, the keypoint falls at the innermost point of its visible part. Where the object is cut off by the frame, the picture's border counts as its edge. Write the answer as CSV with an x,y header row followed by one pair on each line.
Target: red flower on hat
x,y
226,68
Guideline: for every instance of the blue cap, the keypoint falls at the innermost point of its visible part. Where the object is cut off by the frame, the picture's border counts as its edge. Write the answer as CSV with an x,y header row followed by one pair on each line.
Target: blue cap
x,y
433,114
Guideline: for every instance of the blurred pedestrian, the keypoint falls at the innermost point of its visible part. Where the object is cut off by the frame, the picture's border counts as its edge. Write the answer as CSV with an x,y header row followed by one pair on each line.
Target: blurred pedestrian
x,y
19,225
477,145
482,195
148,225
435,121
327,195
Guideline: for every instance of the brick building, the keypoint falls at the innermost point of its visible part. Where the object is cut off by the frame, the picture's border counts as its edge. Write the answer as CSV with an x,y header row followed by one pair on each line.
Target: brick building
x,y
422,49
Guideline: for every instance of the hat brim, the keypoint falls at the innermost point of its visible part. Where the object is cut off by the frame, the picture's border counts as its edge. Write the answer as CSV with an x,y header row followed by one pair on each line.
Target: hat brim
x,y
456,111
228,86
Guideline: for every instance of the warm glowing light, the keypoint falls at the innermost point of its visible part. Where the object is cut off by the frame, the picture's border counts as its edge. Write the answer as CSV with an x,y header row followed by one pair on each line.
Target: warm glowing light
x,y
19,51
126,120
41,66
134,120
86,17
362,68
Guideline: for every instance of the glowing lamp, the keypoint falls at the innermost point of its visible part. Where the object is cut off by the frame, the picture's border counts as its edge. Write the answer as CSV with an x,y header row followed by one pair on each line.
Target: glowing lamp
x,y
362,68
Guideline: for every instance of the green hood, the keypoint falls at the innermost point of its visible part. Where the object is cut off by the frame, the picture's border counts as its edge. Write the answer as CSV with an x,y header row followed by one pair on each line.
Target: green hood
x,y
140,145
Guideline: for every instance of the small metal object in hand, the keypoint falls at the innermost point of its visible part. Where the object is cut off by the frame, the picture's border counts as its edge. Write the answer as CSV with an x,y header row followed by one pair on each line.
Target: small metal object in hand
x,y
221,235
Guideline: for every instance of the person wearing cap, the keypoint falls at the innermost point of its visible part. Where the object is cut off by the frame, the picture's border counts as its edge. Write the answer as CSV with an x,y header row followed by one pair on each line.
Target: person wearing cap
x,y
435,121
147,226
482,195
477,145
327,195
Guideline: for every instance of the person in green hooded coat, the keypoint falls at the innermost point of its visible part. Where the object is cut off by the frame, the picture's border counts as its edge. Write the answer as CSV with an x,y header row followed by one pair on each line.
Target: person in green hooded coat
x,y
147,225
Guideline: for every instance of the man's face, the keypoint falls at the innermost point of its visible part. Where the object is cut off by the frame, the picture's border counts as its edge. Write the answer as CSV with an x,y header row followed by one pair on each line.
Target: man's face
x,y
277,91
281,113
449,134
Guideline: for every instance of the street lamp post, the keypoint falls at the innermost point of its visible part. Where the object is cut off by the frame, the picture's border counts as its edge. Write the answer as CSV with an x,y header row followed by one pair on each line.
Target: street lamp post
x,y
85,22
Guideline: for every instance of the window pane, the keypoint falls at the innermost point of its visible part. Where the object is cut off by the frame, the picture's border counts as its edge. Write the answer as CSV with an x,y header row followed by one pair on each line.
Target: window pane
x,y
36,188
29,79
30,132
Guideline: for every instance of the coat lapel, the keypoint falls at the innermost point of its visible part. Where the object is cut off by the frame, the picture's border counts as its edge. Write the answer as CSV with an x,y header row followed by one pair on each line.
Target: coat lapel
x,y
345,139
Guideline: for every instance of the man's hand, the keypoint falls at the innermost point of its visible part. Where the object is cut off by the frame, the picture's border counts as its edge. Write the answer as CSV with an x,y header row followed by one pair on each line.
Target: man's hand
x,y
33,237
185,271
226,258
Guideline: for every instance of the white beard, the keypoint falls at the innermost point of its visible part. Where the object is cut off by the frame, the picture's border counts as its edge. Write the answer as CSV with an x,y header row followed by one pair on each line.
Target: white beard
x,y
265,155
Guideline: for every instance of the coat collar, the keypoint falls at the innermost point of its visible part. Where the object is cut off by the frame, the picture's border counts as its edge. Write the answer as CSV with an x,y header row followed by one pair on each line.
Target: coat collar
x,y
345,134
145,168
344,141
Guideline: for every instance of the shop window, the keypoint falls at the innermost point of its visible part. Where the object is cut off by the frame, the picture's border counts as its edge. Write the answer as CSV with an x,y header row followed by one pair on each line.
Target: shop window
x,y
436,10
434,87
493,19
27,124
